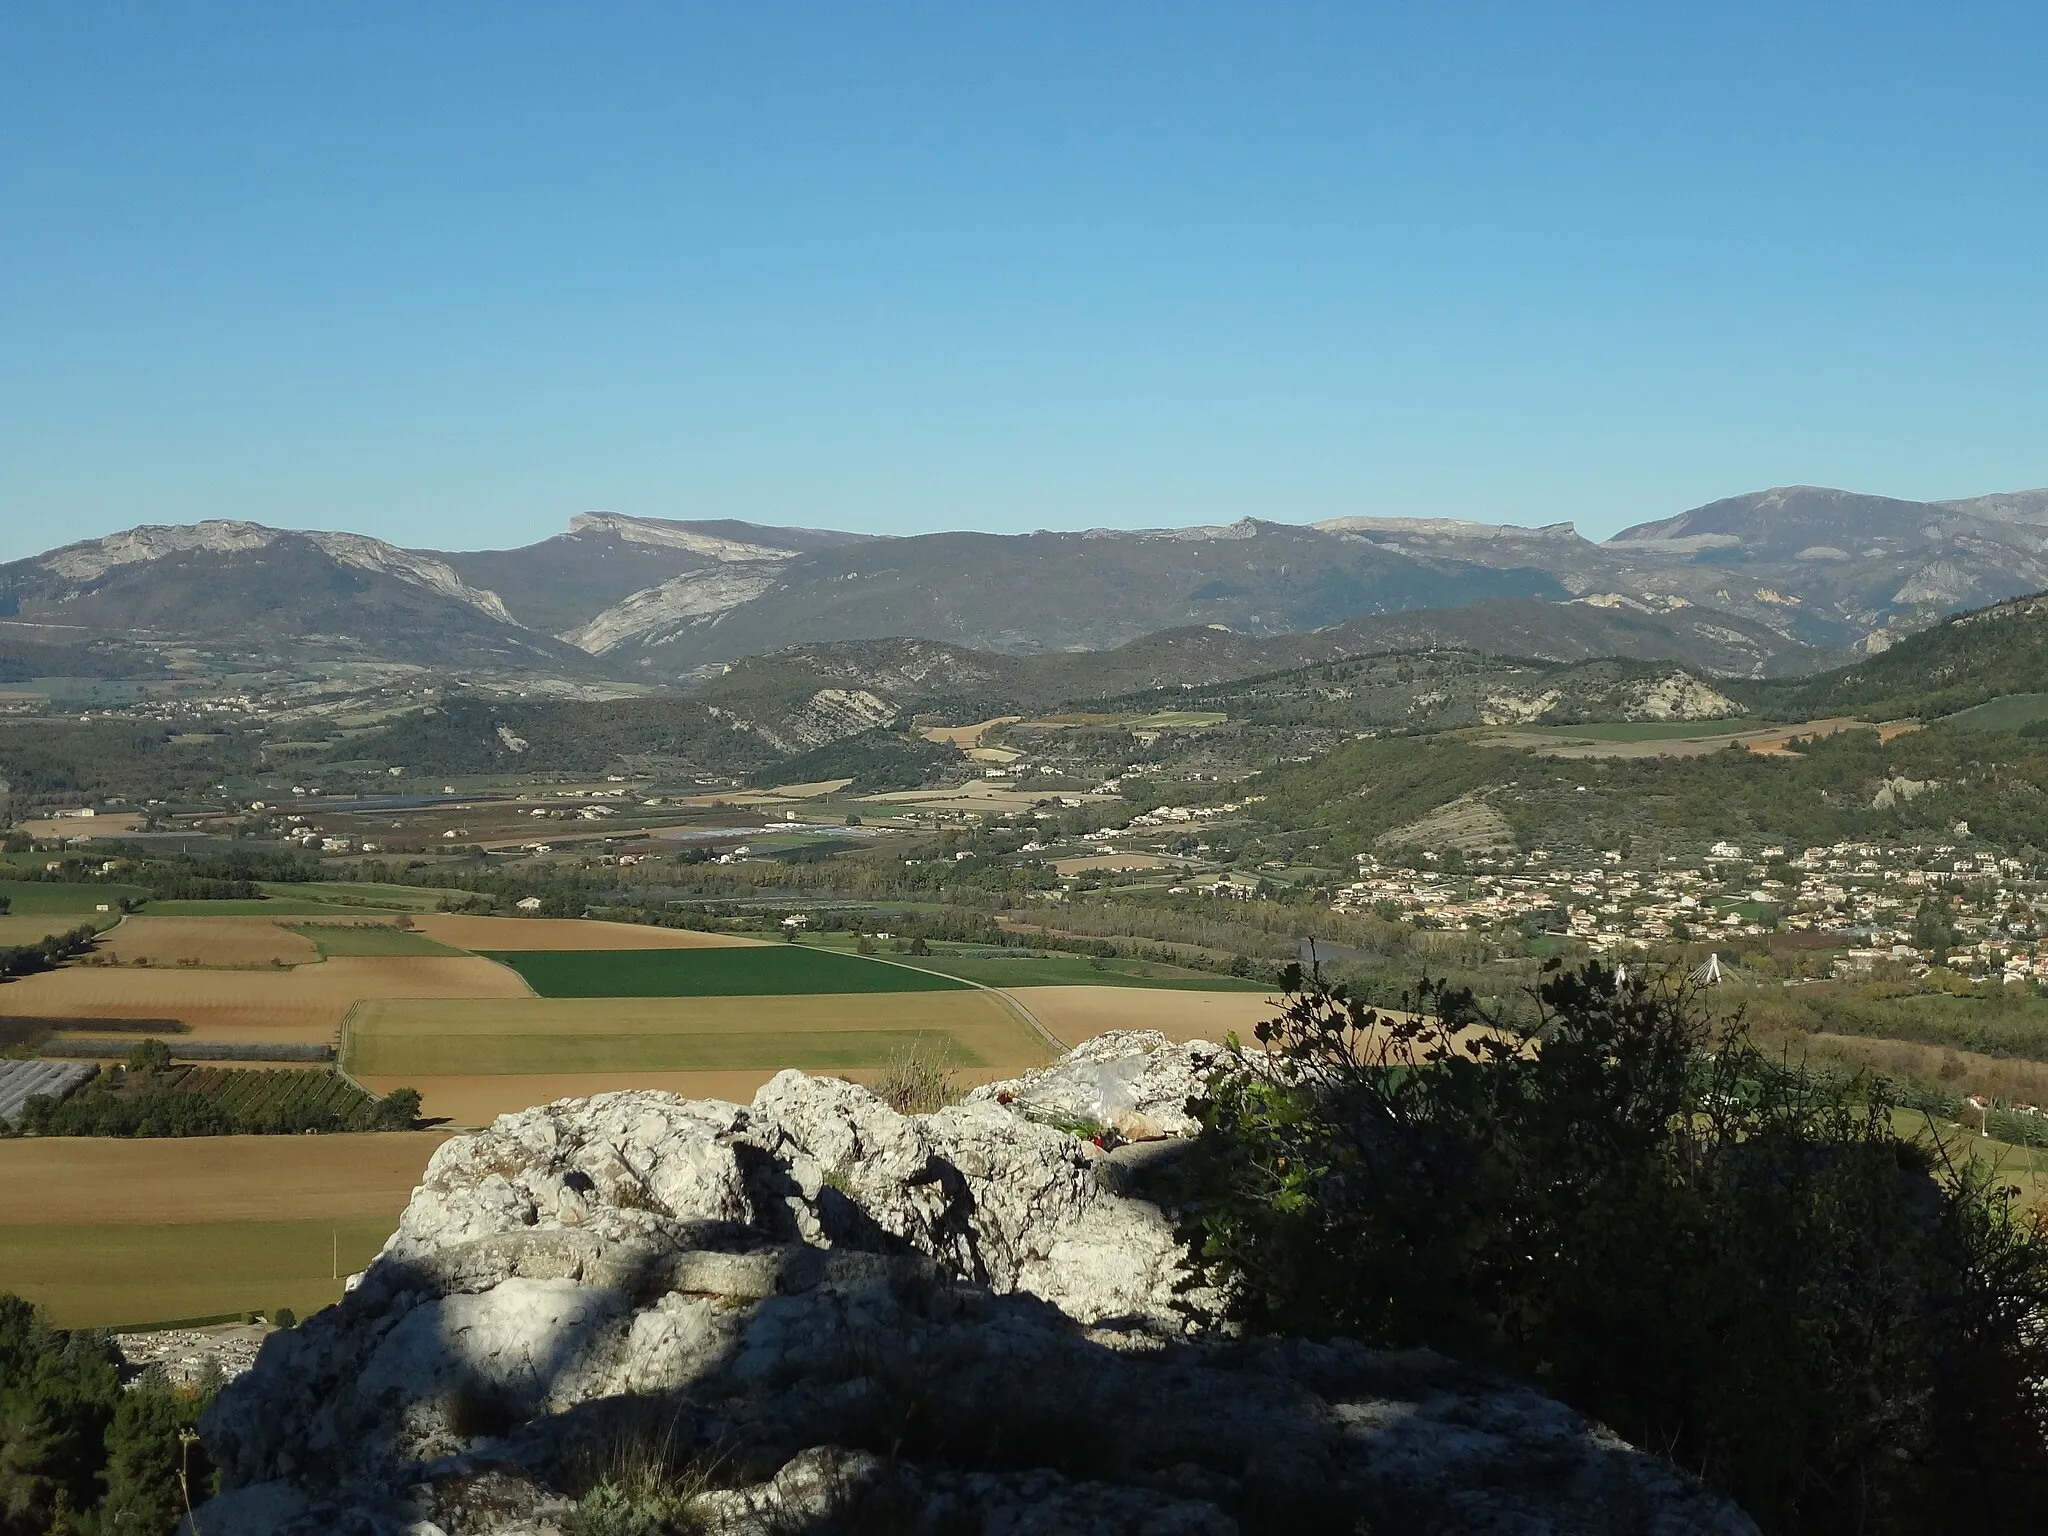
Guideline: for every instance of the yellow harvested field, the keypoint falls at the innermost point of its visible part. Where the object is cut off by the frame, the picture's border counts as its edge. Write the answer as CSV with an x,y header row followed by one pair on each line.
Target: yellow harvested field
x,y
1074,1014
206,941
64,1180
104,1233
643,1036
473,1101
506,934
303,1006
34,929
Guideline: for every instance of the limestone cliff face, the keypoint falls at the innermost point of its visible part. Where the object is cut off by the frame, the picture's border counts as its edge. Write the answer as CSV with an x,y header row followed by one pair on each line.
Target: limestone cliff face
x,y
850,1316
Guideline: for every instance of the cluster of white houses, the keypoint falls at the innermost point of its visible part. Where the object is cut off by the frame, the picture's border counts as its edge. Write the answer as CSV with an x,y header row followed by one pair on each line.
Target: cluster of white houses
x,y
1867,894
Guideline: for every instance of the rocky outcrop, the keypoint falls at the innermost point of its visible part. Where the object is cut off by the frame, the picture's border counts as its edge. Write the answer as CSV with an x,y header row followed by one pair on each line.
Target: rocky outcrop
x,y
812,1313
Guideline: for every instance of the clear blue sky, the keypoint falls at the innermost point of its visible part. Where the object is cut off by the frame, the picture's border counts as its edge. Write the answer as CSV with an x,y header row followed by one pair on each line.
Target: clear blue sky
x,y
448,273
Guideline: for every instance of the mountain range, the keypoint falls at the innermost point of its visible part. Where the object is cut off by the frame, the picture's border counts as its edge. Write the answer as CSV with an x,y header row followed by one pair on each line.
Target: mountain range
x,y
1763,584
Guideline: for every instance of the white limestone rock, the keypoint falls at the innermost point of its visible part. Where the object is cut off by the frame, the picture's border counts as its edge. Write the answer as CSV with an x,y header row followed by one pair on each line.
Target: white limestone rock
x,y
953,1317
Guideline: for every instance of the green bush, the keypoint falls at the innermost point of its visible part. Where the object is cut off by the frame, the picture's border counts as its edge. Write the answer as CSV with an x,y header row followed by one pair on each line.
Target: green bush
x,y
1628,1204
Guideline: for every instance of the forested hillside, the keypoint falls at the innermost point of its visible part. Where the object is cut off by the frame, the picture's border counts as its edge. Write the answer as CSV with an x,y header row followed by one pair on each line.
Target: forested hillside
x,y
1960,662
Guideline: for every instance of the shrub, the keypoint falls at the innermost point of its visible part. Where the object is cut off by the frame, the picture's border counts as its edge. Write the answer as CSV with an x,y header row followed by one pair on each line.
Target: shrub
x,y
915,1084
150,1056
1628,1203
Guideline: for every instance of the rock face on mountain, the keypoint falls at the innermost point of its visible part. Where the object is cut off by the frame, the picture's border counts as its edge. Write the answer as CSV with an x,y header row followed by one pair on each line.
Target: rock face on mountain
x,y
845,1318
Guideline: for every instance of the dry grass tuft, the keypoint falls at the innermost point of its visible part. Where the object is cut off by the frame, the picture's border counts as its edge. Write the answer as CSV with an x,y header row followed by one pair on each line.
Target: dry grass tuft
x,y
916,1084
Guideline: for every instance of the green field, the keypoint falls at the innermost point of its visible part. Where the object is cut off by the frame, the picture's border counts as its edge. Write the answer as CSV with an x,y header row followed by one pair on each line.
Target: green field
x,y
1645,730
784,970
2006,714
420,1040
33,898
112,1276
277,907
352,893
369,939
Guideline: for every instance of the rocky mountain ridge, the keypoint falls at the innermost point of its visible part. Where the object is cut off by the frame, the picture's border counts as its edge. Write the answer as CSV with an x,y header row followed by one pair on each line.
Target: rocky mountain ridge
x,y
655,601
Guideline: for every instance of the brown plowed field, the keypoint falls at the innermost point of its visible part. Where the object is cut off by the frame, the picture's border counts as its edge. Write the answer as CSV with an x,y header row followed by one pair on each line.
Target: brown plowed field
x,y
1075,1014
206,941
293,1006
516,933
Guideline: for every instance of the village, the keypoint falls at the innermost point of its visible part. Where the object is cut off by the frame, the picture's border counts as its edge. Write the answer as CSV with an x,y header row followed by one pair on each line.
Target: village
x,y
1912,906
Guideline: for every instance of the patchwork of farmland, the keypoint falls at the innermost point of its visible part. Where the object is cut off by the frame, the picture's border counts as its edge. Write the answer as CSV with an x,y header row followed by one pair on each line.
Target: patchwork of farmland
x,y
482,1016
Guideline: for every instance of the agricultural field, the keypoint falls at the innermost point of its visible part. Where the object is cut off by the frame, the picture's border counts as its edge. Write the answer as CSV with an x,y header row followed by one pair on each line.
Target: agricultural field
x,y
223,942
2005,714
254,1223
764,971
350,893
33,930
36,898
1074,1014
492,934
369,938
1647,730
256,1094
302,1006
547,1048
1074,971
281,906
